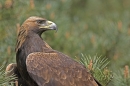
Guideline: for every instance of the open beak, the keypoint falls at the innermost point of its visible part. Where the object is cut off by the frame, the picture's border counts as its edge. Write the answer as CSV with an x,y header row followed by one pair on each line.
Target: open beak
x,y
49,26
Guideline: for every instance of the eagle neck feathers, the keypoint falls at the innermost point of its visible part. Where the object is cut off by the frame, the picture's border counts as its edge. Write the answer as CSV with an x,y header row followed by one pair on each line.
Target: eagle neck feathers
x,y
30,42
21,37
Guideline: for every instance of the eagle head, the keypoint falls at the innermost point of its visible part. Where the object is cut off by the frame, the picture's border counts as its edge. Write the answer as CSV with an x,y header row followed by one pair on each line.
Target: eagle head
x,y
39,25
33,25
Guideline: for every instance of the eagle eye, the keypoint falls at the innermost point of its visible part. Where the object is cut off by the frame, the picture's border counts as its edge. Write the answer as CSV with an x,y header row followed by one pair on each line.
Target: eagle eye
x,y
41,21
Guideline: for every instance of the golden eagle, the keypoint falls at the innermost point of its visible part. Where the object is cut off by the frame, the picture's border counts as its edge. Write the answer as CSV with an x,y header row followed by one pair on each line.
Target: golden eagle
x,y
40,65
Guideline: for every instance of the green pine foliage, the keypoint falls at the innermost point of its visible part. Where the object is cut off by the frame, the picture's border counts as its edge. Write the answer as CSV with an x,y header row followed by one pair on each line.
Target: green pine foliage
x,y
4,80
122,77
98,68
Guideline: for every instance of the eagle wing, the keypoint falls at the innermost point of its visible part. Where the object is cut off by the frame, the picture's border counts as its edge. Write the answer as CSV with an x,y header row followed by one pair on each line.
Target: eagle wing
x,y
57,69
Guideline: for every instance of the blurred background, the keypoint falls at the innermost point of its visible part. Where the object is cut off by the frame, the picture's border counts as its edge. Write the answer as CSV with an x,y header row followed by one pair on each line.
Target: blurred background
x,y
91,27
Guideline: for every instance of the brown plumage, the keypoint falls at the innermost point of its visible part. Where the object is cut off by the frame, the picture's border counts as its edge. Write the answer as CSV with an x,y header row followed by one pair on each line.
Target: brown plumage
x,y
40,65
11,69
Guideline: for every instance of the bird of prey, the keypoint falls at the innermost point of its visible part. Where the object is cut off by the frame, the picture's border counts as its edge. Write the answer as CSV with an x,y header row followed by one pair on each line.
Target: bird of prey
x,y
40,65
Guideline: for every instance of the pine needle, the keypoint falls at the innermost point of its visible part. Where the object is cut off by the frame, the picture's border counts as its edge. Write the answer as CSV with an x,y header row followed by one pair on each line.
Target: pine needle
x,y
98,68
5,81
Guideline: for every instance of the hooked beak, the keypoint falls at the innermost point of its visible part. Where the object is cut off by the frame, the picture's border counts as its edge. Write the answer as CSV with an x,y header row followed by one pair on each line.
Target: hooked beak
x,y
49,26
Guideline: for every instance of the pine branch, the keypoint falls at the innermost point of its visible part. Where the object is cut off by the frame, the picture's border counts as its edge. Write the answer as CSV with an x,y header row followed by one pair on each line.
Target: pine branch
x,y
98,67
4,80
122,77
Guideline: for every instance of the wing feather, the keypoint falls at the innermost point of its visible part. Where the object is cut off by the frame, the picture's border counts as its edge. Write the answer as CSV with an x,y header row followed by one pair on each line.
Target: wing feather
x,y
57,69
